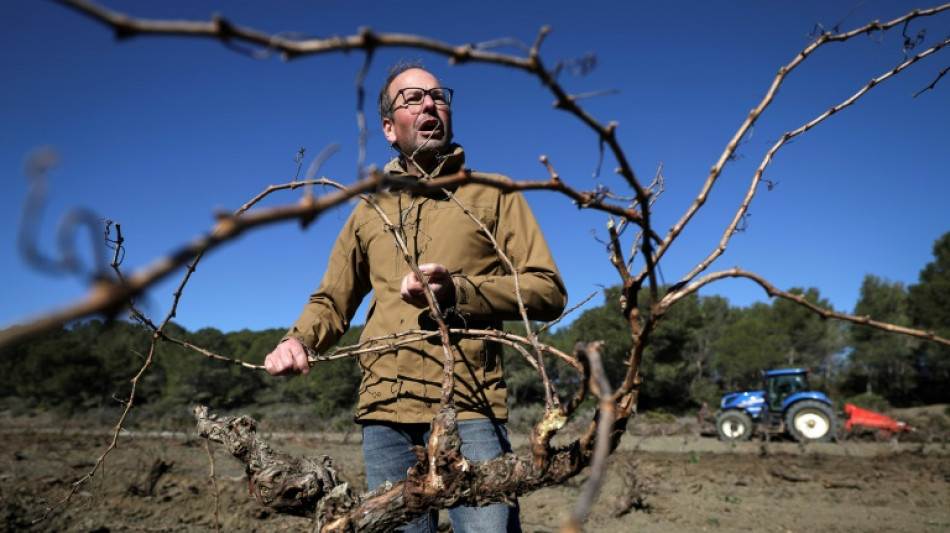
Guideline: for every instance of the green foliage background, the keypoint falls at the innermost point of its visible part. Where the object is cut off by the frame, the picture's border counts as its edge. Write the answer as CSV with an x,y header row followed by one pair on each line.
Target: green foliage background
x,y
703,348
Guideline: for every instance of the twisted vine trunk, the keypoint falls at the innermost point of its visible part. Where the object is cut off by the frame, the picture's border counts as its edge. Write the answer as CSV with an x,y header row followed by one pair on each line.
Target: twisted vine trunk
x,y
441,478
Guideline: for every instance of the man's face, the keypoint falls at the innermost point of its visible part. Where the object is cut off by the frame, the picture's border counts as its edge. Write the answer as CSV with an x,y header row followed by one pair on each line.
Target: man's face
x,y
420,130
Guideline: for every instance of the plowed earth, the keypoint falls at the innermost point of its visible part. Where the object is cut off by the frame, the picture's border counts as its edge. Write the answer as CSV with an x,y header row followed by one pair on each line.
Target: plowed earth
x,y
664,478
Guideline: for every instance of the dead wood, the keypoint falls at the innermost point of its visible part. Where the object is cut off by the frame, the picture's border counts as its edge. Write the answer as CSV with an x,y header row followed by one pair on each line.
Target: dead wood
x,y
792,477
276,480
441,478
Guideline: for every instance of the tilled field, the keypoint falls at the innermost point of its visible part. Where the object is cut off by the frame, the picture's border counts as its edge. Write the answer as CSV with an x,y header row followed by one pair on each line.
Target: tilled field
x,y
656,482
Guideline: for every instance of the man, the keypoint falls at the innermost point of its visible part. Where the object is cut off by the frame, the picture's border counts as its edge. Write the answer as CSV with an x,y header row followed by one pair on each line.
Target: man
x,y
401,384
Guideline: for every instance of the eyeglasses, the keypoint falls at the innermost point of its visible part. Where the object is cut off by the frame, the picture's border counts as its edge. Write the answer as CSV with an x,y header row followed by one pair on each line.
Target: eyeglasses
x,y
415,96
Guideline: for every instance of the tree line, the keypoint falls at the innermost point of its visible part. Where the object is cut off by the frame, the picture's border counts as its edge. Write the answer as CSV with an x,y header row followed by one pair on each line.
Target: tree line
x,y
703,348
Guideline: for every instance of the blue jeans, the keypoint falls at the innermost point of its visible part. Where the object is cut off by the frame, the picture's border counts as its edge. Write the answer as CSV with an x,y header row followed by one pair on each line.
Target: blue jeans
x,y
387,454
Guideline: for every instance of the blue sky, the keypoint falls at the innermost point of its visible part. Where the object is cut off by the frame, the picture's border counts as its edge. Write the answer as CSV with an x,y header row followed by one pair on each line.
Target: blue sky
x,y
159,134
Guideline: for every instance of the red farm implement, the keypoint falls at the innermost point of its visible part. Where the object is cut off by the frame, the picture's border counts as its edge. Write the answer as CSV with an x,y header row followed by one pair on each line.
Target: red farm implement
x,y
859,420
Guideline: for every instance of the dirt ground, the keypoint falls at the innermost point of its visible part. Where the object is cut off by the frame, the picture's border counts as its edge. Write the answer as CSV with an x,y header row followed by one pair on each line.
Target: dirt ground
x,y
664,478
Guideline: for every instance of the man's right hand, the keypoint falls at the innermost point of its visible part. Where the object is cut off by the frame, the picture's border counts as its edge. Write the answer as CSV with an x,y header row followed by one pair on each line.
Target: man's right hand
x,y
289,358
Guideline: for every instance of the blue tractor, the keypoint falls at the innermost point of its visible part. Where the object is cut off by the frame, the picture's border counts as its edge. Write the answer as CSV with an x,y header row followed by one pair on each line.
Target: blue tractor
x,y
785,405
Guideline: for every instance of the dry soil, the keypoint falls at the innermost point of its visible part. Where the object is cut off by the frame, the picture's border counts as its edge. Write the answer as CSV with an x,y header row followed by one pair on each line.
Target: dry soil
x,y
664,478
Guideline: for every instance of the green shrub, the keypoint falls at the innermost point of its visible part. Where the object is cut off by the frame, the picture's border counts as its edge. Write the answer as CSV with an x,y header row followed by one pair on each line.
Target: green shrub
x,y
874,402
656,417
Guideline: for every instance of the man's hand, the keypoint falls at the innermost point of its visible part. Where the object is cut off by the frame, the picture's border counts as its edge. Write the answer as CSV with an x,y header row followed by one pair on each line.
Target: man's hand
x,y
413,289
289,358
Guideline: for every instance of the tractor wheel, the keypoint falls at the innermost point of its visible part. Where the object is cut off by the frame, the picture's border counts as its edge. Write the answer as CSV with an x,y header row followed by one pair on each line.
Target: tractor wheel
x,y
811,421
733,425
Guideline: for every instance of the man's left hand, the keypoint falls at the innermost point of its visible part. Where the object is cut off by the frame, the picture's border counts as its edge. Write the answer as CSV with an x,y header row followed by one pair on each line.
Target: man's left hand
x,y
440,280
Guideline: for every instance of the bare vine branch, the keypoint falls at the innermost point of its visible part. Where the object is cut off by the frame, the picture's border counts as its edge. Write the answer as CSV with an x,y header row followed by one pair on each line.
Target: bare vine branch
x,y
443,476
742,212
771,290
752,118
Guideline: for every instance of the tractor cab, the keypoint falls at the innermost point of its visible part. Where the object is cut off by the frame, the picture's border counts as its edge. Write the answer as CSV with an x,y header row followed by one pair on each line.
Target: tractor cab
x,y
782,384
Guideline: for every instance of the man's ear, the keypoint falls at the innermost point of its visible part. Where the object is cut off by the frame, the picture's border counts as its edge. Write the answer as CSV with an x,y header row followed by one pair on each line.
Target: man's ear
x,y
388,130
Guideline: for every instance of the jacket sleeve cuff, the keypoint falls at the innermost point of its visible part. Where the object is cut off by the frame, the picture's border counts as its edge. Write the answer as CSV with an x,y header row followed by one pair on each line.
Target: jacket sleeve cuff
x,y
464,292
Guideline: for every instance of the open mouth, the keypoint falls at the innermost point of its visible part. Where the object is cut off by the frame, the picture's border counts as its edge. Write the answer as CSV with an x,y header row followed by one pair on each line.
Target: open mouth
x,y
431,128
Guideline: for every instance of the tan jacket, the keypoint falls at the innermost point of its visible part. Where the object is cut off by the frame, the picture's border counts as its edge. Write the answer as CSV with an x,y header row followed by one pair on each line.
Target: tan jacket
x,y
403,384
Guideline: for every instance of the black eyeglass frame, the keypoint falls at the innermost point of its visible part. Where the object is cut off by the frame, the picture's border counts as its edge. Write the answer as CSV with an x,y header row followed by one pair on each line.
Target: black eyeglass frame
x,y
447,102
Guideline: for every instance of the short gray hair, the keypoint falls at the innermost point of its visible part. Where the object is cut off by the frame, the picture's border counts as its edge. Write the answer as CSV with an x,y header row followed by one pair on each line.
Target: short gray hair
x,y
385,102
